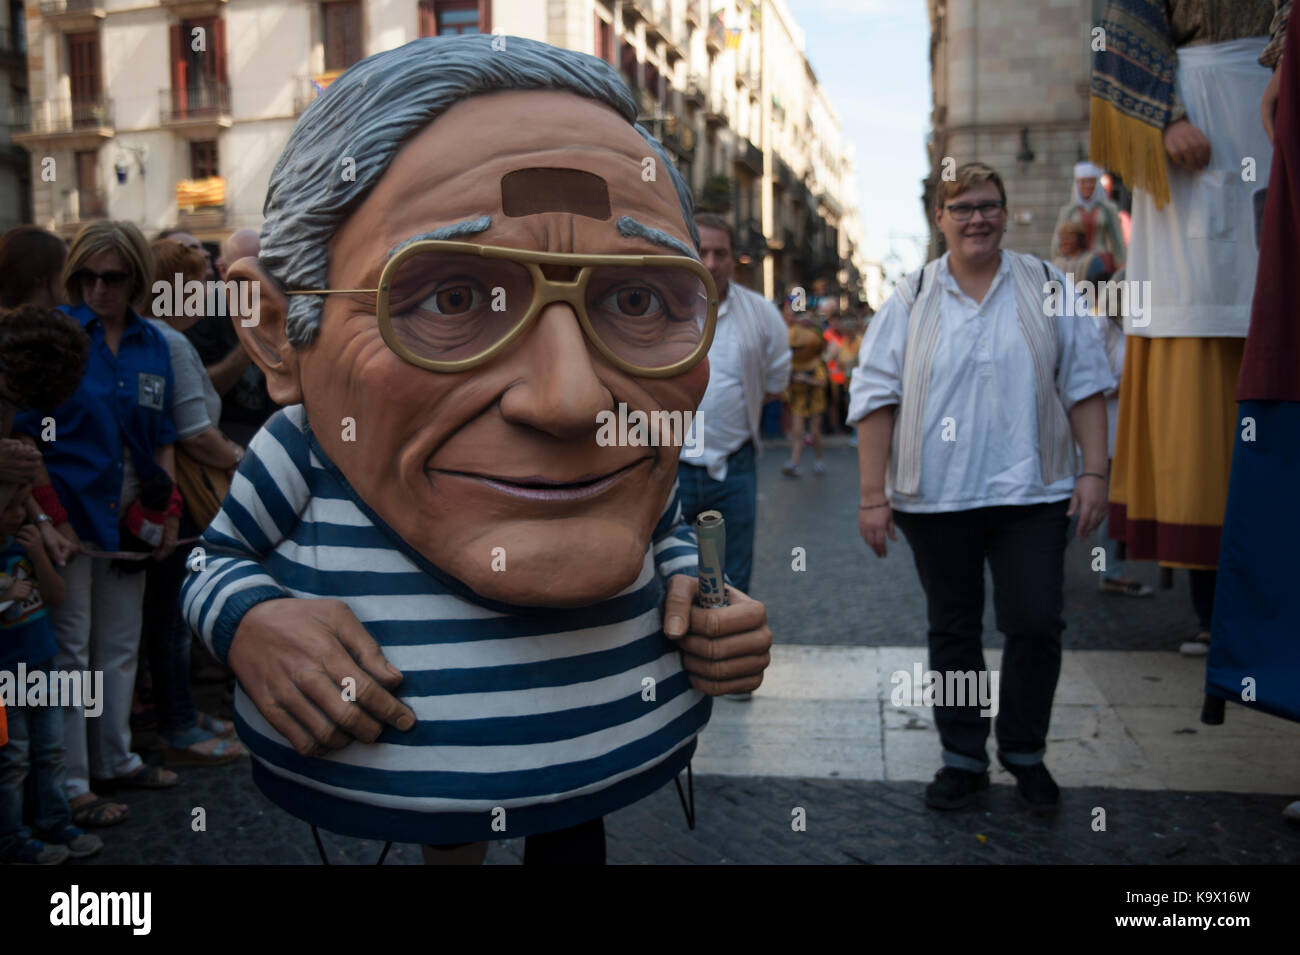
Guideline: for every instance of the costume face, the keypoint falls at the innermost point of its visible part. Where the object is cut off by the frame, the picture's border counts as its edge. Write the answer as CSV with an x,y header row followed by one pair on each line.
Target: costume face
x,y
503,456
976,238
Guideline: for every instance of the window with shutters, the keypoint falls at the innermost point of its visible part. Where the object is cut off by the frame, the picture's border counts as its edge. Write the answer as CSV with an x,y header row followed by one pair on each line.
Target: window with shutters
x,y
604,39
341,33
84,79
452,17
200,86
203,159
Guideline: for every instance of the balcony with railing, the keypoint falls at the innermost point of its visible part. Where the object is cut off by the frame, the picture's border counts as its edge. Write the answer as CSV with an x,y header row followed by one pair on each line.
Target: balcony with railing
x,y
201,203
71,15
676,135
696,93
749,156
83,122
308,86
184,7
203,107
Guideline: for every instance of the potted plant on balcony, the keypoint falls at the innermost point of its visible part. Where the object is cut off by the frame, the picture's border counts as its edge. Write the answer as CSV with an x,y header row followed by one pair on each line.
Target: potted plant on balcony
x,y
716,195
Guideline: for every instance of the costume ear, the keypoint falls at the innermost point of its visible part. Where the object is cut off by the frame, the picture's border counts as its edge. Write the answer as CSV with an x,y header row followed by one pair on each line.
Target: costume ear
x,y
262,332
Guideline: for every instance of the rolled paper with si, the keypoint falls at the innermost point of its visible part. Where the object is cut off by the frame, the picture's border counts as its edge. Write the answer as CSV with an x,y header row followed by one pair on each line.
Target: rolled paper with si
x,y
711,535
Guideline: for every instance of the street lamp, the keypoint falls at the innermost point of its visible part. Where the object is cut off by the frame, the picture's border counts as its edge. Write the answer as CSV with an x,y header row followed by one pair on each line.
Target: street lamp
x,y
121,167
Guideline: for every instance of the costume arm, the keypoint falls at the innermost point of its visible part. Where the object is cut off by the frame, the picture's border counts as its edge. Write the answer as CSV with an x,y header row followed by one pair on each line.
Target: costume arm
x,y
227,571
675,548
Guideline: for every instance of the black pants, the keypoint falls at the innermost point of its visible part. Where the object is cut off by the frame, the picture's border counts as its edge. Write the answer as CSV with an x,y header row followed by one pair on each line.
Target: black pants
x,y
1203,583
583,844
1025,550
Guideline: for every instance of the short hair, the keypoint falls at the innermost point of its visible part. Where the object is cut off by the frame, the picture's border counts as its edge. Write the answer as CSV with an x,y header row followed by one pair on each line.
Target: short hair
x,y
30,258
124,239
1073,228
44,352
170,257
707,220
370,111
968,176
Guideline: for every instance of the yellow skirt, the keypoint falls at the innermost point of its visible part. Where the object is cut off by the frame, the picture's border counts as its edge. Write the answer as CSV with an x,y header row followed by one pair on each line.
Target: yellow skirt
x,y
1173,448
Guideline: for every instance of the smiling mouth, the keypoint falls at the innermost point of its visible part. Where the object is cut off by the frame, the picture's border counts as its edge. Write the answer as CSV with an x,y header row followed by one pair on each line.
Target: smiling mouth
x,y
535,488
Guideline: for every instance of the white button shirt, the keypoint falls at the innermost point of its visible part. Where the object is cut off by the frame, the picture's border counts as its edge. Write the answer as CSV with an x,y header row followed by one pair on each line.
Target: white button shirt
x,y
723,420
979,446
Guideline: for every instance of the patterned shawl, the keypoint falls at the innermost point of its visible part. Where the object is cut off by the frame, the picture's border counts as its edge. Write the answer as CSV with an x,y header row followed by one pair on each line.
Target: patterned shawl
x,y
1133,93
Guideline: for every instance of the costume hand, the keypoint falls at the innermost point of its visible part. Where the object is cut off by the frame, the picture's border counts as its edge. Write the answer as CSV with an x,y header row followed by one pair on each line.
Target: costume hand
x,y
19,461
171,529
1268,105
1187,145
724,649
292,657
874,524
57,546
1089,502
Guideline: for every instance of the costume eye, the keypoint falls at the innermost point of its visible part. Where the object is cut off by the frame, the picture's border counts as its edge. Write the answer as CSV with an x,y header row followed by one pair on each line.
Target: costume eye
x,y
633,301
454,297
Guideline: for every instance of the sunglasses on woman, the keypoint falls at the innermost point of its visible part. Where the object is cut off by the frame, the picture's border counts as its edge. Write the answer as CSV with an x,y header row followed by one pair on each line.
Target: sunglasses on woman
x,y
112,279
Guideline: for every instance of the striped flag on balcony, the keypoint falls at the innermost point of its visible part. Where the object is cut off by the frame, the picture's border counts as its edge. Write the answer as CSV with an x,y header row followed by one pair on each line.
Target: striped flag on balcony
x,y
193,193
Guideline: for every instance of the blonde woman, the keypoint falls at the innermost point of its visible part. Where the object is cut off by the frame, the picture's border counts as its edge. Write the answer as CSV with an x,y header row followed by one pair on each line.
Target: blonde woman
x,y
114,436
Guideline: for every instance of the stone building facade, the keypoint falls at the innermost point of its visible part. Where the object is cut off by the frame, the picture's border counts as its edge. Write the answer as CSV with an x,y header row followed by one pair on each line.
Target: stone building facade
x,y
1010,82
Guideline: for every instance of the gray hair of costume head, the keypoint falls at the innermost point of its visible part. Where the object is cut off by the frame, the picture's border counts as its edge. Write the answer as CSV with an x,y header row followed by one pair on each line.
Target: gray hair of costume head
x,y
369,113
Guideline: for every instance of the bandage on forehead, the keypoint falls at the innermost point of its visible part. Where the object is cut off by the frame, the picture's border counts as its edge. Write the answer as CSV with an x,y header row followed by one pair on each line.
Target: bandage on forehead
x,y
526,192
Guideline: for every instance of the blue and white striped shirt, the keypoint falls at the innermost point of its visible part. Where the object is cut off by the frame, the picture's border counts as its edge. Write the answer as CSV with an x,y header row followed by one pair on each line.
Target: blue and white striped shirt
x,y
539,712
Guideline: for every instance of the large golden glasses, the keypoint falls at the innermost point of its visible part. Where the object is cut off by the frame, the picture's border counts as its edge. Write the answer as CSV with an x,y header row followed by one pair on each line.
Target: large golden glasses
x,y
449,306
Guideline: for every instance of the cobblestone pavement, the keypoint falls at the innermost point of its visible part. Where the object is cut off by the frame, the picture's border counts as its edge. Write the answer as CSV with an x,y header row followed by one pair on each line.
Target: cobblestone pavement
x,y
749,820
846,597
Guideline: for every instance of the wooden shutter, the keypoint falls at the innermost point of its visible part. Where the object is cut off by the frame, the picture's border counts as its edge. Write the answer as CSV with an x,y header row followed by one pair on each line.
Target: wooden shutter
x,y
83,67
428,18
178,48
219,51
342,29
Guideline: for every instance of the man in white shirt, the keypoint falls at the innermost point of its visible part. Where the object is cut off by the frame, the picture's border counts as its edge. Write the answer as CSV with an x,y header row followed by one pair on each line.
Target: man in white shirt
x,y
749,364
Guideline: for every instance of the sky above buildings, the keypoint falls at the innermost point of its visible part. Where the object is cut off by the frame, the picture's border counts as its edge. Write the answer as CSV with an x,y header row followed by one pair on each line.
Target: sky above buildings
x,y
873,57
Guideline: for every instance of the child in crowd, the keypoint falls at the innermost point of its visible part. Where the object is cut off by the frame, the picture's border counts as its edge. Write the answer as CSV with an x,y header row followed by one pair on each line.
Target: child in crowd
x,y
28,584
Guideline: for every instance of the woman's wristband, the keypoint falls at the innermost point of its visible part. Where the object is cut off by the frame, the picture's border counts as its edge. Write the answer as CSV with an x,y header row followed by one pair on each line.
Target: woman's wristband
x,y
872,507
1094,474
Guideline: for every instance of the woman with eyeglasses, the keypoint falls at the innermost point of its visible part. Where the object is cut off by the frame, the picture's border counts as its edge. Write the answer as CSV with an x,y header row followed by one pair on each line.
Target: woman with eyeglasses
x,y
974,386
112,439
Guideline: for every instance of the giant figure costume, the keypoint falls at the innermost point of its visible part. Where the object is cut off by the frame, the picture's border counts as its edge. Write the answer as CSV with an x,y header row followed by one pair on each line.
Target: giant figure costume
x,y
464,263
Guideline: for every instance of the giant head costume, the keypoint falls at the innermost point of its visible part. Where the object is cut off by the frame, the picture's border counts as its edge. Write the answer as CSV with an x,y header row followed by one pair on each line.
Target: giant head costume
x,y
471,252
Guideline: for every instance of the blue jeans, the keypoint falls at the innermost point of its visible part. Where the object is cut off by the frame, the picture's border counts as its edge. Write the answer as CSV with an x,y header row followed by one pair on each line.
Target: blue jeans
x,y
35,746
737,499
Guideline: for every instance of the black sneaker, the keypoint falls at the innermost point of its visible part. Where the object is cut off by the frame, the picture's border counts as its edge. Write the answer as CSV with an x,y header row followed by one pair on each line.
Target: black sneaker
x,y
1036,787
954,788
